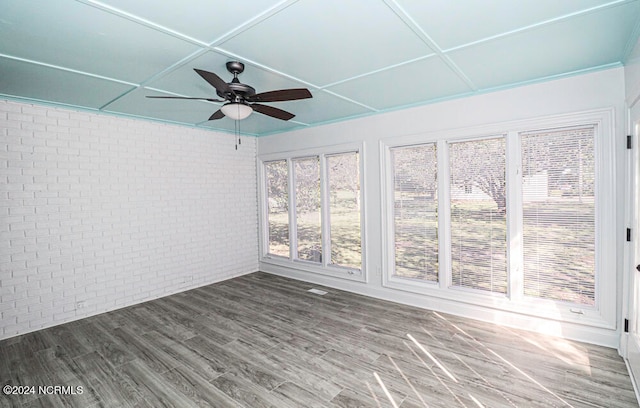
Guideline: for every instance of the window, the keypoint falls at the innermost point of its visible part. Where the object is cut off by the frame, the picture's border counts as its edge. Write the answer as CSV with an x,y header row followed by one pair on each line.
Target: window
x,y
307,199
323,218
277,175
478,215
558,205
415,209
343,174
520,218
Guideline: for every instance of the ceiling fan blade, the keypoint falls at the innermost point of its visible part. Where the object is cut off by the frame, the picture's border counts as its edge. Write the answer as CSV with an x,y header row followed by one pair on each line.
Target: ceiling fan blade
x,y
271,111
281,95
217,82
217,115
184,97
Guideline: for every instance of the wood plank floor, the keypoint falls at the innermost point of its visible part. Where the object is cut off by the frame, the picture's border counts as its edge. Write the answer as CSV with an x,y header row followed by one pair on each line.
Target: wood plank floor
x,y
263,341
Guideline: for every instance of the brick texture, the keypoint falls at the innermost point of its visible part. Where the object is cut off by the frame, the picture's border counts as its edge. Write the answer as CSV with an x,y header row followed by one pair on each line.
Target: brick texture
x,y
100,212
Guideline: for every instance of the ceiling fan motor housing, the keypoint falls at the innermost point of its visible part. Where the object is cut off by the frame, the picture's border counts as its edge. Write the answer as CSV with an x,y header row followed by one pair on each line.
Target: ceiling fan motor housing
x,y
241,91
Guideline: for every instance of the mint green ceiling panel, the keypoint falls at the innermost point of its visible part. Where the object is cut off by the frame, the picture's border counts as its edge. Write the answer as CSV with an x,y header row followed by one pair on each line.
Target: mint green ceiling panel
x,y
324,41
587,41
322,108
76,36
204,20
24,80
419,81
451,23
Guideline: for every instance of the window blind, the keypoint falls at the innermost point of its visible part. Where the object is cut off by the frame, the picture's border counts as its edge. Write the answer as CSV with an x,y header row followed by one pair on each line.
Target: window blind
x,y
478,214
415,211
558,190
277,175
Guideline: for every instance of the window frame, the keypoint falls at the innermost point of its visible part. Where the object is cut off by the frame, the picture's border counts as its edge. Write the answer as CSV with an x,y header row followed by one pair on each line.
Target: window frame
x,y
602,314
324,267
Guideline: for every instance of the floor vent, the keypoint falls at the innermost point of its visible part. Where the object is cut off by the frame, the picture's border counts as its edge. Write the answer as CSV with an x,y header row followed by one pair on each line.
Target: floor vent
x,y
317,291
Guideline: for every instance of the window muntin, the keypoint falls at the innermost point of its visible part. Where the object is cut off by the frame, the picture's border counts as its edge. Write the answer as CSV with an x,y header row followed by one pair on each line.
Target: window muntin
x,y
478,219
343,177
277,186
558,206
415,209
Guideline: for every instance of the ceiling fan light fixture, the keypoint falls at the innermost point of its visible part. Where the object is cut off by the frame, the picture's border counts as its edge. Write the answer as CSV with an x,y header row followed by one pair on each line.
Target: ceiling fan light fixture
x,y
236,111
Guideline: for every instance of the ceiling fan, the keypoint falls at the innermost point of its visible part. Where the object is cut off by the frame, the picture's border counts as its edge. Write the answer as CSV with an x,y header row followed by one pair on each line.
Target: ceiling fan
x,y
242,99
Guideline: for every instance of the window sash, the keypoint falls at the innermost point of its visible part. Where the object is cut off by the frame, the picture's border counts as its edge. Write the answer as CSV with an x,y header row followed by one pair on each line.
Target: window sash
x,y
277,180
559,207
478,208
308,218
344,214
415,212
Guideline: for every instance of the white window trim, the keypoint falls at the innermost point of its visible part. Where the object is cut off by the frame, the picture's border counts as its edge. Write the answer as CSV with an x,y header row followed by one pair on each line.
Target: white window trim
x,y
325,268
601,315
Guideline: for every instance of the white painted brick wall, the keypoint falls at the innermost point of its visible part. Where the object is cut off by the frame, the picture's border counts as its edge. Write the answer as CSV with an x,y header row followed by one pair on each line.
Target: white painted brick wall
x,y
104,212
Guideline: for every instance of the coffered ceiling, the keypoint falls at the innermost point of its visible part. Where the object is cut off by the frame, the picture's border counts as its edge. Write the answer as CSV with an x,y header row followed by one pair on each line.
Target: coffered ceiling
x,y
357,57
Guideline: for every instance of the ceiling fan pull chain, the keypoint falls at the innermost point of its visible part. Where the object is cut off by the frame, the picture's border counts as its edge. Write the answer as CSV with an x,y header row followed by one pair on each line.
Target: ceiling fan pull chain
x,y
238,123
237,133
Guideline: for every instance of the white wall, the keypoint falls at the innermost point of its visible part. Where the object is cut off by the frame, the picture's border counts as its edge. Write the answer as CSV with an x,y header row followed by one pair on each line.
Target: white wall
x,y
603,89
100,212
